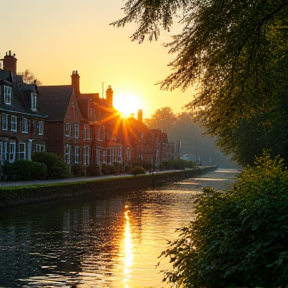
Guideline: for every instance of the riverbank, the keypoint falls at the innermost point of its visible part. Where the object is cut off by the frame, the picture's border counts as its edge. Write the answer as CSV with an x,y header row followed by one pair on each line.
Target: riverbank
x,y
19,193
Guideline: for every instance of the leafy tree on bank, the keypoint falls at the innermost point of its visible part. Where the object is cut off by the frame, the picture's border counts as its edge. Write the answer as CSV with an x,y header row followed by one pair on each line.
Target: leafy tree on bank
x,y
29,78
236,52
163,118
239,237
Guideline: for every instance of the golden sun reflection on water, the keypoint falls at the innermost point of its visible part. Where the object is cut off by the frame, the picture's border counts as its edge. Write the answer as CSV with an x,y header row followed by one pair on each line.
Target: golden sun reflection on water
x,y
128,259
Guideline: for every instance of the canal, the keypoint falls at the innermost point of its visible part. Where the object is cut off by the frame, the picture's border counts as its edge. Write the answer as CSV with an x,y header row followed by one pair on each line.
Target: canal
x,y
107,241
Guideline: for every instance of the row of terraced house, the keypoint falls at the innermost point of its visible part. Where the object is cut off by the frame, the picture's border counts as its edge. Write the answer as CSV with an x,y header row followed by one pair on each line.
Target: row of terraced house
x,y
82,129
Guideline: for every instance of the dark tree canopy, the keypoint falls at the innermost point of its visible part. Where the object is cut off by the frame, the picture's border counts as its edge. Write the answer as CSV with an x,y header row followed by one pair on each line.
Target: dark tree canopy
x,y
236,52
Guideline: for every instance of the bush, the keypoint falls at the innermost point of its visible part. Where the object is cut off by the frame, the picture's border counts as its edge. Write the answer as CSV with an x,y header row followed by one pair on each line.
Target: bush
x,y
56,167
239,237
77,170
38,170
137,170
93,170
20,170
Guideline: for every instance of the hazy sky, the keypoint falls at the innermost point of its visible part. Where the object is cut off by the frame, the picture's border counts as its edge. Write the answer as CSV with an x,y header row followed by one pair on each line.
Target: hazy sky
x,y
52,38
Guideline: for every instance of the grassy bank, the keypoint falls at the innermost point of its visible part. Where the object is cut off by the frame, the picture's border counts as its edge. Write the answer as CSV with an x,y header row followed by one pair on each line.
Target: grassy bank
x,y
12,196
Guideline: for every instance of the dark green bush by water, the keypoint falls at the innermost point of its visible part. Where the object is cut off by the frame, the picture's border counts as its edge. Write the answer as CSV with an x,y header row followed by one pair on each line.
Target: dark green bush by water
x,y
239,237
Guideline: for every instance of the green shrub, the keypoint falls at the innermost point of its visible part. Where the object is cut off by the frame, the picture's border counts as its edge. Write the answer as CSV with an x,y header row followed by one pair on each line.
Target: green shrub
x,y
56,167
38,170
93,170
239,237
77,170
137,170
20,170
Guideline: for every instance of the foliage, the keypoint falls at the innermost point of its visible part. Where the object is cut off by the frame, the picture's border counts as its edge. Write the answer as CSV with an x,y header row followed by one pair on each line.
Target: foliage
x,y
93,170
236,52
78,170
141,163
29,78
178,164
56,168
38,170
239,237
108,169
137,170
163,118
25,170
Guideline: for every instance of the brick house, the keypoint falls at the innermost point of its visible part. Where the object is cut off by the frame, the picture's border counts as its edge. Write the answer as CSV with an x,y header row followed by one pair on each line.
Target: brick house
x,y
21,120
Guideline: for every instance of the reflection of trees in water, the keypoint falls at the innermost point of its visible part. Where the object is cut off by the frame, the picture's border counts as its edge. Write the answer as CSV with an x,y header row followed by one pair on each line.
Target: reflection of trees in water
x,y
58,237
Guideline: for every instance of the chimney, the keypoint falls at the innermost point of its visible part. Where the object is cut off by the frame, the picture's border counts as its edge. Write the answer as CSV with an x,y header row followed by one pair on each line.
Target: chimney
x,y
9,62
75,81
109,96
140,115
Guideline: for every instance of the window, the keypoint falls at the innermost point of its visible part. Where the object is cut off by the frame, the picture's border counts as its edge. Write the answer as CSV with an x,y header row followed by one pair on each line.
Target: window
x,y
40,127
68,154
86,155
40,148
68,129
33,97
22,150
12,151
104,156
77,154
3,151
13,123
98,160
76,130
4,121
99,134
86,132
7,95
24,125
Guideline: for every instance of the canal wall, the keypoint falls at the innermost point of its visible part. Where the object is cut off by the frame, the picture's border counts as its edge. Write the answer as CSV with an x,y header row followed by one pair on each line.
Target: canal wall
x,y
19,195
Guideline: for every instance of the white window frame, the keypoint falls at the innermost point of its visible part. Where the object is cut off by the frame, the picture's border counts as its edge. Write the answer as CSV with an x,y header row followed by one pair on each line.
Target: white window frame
x,y
12,152
5,121
7,95
2,153
33,98
14,123
98,155
40,127
86,155
76,131
68,149
22,151
104,156
40,148
24,125
67,129
76,154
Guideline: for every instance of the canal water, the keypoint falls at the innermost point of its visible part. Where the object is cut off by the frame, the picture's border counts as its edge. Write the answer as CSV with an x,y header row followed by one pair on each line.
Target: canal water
x,y
107,241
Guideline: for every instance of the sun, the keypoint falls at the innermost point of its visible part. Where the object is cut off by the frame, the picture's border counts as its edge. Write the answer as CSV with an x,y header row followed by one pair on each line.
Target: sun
x,y
127,103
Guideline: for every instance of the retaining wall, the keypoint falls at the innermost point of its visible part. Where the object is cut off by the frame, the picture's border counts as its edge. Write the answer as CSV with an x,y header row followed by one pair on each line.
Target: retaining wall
x,y
13,196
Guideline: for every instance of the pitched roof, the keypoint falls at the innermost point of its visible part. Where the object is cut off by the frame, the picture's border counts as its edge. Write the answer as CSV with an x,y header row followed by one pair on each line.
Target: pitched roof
x,y
20,101
54,100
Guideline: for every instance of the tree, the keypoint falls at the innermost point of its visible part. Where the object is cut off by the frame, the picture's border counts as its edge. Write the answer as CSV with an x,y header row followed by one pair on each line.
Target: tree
x,y
163,118
239,237
29,78
235,51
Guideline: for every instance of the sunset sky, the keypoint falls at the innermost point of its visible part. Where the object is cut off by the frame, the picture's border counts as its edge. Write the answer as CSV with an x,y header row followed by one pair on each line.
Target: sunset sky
x,y
52,38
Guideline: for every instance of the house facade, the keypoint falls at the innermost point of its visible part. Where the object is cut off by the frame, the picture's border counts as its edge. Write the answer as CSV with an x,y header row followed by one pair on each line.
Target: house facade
x,y
82,128
21,120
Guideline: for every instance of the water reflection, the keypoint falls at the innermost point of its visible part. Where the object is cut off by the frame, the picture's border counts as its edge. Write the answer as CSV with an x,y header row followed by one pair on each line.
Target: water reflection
x,y
109,242
128,260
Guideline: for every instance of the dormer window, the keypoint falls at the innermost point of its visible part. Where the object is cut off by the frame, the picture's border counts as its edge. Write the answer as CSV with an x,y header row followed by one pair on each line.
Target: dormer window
x,y
33,97
7,95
